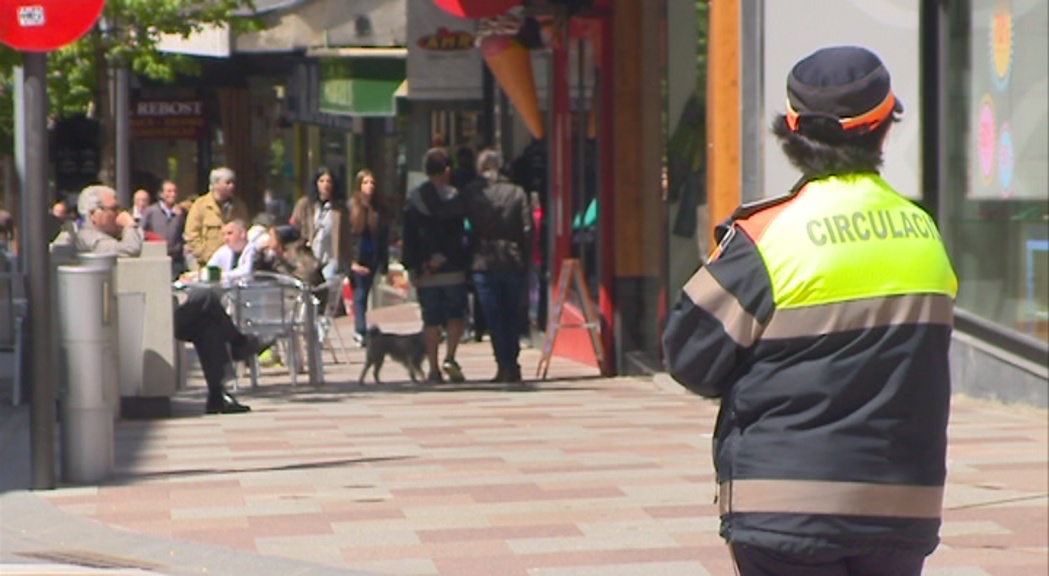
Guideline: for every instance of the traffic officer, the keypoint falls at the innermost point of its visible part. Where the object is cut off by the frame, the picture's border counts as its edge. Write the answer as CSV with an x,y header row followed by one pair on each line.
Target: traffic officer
x,y
823,322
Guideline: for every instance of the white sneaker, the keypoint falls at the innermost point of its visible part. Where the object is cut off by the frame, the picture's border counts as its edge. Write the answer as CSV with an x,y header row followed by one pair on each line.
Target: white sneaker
x,y
358,339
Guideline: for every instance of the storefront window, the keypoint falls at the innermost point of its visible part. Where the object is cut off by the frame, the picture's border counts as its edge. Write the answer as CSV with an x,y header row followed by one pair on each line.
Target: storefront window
x,y
684,170
997,208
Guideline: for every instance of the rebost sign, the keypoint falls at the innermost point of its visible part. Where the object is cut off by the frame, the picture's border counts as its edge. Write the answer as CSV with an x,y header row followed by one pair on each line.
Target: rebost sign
x,y
46,25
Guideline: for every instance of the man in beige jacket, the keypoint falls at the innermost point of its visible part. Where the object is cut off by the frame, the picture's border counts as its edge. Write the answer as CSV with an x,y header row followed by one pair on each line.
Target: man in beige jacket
x,y
209,212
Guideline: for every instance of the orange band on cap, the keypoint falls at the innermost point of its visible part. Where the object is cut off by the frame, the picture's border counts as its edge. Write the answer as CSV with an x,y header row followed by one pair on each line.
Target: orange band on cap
x,y
871,119
792,117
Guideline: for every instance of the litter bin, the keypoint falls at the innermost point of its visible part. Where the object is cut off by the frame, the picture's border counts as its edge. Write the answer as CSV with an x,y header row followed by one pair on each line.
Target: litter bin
x,y
85,314
111,377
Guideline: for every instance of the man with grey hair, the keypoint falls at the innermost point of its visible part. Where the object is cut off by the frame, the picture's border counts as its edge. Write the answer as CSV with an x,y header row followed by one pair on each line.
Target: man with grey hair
x,y
208,214
500,240
106,228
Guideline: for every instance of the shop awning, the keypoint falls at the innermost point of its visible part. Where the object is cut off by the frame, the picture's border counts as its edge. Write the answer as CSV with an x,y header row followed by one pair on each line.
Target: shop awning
x,y
360,85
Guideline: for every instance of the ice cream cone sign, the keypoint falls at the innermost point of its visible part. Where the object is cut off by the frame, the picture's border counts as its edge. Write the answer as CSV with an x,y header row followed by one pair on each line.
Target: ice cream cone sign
x,y
511,65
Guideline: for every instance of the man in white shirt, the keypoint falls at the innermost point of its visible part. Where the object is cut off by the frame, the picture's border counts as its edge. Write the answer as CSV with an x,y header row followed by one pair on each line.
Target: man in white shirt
x,y
236,257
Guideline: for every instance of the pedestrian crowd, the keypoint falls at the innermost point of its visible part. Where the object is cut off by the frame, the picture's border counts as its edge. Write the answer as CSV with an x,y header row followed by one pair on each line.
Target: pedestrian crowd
x,y
462,242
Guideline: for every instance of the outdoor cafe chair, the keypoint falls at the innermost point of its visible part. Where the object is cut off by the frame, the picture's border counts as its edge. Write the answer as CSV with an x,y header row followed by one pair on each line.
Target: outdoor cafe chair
x,y
329,295
280,307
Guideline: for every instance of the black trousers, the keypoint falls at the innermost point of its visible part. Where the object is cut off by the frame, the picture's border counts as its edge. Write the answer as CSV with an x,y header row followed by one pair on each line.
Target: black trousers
x,y
202,320
756,561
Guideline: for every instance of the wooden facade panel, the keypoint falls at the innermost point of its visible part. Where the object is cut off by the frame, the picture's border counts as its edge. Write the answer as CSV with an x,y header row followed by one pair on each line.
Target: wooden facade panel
x,y
638,138
723,116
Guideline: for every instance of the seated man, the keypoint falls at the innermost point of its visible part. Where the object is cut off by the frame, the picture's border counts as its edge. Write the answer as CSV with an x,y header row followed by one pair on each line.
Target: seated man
x,y
236,256
200,320
106,227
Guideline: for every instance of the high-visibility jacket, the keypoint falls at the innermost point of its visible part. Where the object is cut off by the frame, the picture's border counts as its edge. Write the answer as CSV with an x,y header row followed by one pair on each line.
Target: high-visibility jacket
x,y
823,322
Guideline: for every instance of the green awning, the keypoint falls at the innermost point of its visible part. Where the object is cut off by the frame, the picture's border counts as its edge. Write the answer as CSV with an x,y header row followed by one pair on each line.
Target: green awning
x,y
360,86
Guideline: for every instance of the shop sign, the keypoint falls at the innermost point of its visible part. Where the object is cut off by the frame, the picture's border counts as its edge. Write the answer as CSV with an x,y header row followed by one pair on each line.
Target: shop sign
x,y
360,86
443,63
168,120
303,100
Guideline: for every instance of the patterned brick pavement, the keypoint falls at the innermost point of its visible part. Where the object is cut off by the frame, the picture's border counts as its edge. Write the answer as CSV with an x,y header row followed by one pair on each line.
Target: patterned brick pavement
x,y
578,475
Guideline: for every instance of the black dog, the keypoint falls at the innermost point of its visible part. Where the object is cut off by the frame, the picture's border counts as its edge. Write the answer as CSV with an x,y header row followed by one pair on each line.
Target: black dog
x,y
408,349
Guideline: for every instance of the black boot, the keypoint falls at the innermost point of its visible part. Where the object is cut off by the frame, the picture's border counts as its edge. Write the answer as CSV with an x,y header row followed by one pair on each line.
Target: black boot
x,y
513,375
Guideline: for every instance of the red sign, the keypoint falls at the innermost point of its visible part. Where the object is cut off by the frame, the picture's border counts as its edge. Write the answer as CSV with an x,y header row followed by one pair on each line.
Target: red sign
x,y
476,8
168,120
46,25
445,40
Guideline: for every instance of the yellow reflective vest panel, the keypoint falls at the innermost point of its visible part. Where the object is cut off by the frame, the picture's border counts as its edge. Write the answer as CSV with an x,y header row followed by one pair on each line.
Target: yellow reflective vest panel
x,y
823,322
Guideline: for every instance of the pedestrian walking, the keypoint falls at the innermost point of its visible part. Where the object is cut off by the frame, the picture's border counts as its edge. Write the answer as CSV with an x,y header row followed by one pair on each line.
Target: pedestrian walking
x,y
323,220
500,240
370,234
823,322
435,253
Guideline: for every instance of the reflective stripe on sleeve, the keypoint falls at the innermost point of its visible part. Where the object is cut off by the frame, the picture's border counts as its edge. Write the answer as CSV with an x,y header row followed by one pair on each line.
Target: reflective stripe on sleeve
x,y
706,293
837,498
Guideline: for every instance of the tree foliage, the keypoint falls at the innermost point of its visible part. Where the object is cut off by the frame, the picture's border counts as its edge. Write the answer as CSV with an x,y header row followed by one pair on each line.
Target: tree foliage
x,y
127,32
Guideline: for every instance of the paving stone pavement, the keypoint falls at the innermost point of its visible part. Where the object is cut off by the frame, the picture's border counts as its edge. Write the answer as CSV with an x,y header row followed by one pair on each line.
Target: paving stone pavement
x,y
574,476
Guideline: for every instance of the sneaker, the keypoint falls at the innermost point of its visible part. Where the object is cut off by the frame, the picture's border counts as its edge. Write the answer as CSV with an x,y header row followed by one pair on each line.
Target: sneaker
x,y
452,369
358,339
269,358
435,377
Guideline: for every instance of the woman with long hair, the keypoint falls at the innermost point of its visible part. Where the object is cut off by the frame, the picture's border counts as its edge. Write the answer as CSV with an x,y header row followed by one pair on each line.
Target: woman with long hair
x,y
370,233
323,221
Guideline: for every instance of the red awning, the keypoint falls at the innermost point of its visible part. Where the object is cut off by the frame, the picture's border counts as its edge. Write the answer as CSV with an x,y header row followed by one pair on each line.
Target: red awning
x,y
476,8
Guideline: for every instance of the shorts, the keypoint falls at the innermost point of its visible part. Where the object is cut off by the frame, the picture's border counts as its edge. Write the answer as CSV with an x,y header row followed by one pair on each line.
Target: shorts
x,y
440,304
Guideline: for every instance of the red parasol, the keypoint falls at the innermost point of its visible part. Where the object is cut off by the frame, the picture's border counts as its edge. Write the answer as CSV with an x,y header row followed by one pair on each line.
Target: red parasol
x,y
476,8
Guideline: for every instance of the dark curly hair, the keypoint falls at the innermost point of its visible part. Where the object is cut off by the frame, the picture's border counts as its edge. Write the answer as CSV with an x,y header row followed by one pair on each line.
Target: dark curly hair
x,y
821,148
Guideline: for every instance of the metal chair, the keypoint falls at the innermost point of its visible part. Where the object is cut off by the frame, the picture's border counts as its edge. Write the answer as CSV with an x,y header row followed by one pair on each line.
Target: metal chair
x,y
330,293
281,307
